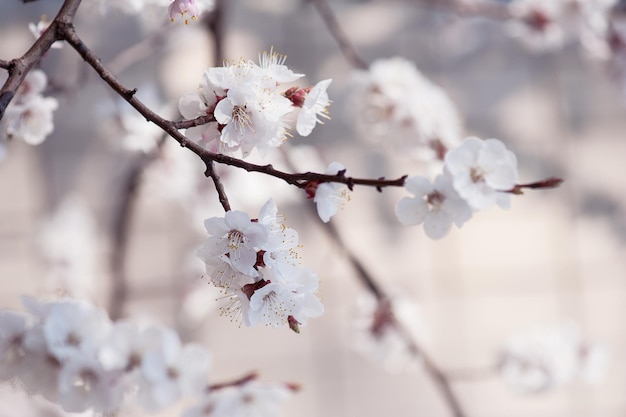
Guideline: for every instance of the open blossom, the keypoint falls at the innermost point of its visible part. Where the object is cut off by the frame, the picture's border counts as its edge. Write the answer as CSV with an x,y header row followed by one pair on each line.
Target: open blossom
x,y
436,205
482,172
331,196
235,237
315,106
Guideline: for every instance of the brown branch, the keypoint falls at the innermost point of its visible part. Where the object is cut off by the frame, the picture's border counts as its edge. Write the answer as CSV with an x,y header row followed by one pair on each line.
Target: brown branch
x,y
219,187
237,382
332,23
437,375
20,67
545,184
7,65
198,121
68,33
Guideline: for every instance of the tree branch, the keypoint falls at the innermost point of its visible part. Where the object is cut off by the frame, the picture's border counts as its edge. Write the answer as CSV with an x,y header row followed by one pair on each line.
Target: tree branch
x,y
219,187
332,23
300,180
20,67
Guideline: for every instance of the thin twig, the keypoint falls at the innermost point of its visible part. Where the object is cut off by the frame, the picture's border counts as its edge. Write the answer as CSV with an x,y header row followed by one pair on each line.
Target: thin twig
x,y
219,187
237,382
332,23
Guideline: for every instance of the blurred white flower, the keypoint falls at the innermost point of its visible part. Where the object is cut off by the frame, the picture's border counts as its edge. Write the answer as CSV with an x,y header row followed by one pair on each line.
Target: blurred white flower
x,y
377,336
38,29
252,399
172,370
395,104
546,358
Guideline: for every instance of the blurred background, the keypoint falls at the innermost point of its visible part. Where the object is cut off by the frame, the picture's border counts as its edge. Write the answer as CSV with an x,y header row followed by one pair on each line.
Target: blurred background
x,y
556,256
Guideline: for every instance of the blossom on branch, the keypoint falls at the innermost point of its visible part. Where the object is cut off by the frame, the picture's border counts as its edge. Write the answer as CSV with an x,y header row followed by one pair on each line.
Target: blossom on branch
x,y
256,265
436,205
482,172
329,196
249,110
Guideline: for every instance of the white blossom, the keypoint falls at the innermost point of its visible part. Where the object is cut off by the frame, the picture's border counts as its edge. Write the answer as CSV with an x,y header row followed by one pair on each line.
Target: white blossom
x,y
436,205
331,196
482,172
315,106
234,239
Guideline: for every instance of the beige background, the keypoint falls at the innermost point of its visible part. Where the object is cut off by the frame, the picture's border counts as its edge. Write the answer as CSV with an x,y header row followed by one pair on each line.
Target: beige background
x,y
556,255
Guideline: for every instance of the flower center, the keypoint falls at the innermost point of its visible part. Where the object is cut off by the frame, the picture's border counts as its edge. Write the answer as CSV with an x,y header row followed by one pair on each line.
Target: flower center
x,y
477,174
435,200
241,119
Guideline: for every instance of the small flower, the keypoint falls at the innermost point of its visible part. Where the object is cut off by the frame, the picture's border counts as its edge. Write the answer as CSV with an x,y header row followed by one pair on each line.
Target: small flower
x,y
331,196
182,8
315,106
436,205
482,171
235,238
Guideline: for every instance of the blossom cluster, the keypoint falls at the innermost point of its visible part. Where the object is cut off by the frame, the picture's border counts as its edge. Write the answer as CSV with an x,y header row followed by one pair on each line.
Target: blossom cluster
x,y
395,104
476,175
70,352
248,108
546,358
29,115
548,25
255,263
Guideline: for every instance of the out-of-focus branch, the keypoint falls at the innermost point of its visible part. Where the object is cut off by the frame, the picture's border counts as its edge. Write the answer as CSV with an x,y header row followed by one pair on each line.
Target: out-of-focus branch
x,y
136,52
215,22
121,227
486,8
332,23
